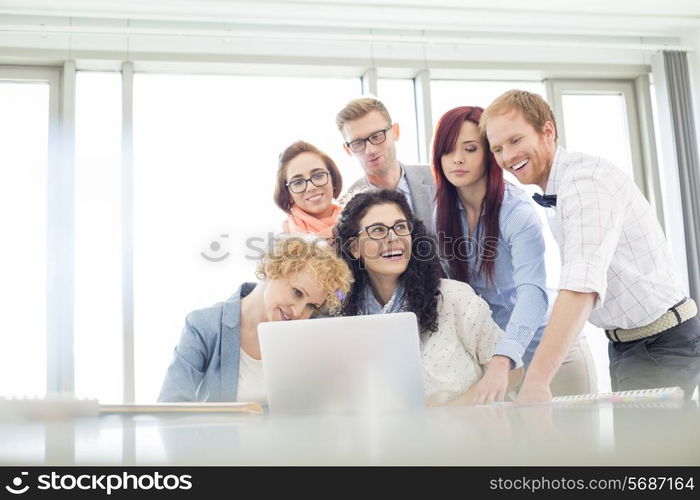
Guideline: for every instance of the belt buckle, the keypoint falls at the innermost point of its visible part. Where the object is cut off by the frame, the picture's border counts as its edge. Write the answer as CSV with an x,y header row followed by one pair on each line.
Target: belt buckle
x,y
612,336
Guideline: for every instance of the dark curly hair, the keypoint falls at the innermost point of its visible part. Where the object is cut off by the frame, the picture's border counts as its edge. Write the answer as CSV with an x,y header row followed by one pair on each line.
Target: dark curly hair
x,y
421,280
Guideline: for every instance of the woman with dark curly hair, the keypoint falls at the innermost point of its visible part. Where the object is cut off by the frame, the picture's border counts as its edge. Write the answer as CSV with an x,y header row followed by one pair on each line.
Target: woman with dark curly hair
x,y
395,268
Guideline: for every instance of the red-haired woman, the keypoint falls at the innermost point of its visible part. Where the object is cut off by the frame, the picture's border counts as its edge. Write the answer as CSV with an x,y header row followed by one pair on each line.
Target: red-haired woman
x,y
490,236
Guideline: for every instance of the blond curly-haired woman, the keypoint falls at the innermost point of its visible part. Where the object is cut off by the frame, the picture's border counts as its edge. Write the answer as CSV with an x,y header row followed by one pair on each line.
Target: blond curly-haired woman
x,y
218,355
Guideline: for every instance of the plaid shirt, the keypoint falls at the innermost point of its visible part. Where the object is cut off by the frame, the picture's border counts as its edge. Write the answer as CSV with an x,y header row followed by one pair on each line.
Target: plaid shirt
x,y
610,242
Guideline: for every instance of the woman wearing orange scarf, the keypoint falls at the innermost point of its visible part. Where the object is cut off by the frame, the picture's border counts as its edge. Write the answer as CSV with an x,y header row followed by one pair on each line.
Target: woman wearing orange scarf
x,y
308,182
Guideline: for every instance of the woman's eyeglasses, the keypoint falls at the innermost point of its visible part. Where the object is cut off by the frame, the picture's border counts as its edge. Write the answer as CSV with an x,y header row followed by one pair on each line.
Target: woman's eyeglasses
x,y
380,231
299,185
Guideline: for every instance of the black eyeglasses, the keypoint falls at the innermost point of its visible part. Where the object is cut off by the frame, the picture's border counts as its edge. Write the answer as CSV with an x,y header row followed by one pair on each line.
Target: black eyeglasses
x,y
299,185
375,138
380,231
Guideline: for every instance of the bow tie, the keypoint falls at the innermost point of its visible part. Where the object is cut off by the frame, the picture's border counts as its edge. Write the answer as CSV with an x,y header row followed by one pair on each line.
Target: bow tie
x,y
547,201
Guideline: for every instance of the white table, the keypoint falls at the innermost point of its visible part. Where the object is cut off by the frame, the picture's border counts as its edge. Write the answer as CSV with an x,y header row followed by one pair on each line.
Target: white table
x,y
597,434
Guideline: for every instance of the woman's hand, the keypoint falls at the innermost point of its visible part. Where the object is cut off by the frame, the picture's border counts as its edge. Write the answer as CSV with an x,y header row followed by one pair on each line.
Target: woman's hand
x,y
430,402
465,399
493,386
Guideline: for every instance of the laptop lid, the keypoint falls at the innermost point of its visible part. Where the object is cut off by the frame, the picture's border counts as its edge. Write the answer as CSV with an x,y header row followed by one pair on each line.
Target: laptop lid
x,y
356,364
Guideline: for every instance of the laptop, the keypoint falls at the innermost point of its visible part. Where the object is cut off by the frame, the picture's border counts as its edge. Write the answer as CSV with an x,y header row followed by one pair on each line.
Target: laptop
x,y
348,365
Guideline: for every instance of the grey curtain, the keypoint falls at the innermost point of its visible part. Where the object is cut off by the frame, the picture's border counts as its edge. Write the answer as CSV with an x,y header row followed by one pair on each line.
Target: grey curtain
x,y
681,105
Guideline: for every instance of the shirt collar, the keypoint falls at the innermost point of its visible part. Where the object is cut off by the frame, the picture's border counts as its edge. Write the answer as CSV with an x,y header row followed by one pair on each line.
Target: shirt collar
x,y
231,314
402,185
403,182
556,172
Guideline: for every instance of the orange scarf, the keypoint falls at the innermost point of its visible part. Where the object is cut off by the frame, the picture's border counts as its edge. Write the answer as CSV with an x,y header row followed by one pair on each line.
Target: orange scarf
x,y
303,222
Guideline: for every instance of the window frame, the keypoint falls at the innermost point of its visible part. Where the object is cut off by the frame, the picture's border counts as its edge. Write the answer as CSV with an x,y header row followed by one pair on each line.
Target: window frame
x,y
59,227
640,126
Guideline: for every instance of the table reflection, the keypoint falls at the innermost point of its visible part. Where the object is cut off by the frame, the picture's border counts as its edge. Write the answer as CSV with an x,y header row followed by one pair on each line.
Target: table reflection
x,y
597,434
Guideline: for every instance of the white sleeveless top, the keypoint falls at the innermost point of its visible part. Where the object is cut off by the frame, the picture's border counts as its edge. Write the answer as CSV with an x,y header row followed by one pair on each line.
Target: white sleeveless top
x,y
251,380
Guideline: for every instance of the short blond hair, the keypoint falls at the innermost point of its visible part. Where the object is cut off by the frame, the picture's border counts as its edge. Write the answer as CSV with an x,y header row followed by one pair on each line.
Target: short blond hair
x,y
357,108
294,254
535,110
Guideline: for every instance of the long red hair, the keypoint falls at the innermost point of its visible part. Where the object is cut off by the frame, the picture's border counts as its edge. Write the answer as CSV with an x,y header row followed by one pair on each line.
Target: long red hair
x,y
448,224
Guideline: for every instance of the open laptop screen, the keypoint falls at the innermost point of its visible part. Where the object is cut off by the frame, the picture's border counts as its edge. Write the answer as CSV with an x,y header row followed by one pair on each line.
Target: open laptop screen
x,y
356,364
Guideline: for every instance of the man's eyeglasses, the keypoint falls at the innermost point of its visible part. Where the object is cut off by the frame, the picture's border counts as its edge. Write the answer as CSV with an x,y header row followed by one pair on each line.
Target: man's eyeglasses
x,y
299,185
375,138
380,231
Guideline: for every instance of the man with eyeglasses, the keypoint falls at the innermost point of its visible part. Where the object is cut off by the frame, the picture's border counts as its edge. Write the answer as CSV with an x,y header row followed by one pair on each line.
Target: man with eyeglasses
x,y
370,137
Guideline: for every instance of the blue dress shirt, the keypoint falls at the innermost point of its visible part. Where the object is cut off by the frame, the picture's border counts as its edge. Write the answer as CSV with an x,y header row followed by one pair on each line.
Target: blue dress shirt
x,y
518,296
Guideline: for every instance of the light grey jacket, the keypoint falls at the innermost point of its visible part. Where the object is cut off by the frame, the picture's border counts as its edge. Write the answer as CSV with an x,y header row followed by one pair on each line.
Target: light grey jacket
x,y
205,363
422,186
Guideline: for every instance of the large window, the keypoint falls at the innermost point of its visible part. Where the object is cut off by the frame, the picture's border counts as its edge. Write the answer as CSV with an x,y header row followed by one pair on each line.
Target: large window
x,y
204,161
98,270
609,137
205,158
398,95
24,128
448,94
600,118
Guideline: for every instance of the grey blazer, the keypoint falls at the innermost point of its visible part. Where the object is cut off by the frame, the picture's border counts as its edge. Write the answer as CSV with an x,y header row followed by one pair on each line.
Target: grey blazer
x,y
422,186
205,363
